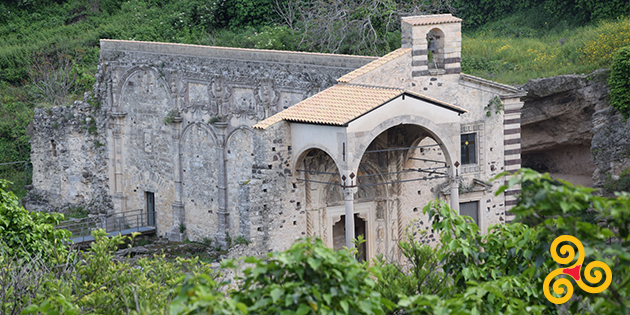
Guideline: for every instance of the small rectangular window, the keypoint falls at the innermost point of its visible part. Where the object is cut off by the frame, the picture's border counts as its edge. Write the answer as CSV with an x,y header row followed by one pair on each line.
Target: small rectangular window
x,y
470,209
469,150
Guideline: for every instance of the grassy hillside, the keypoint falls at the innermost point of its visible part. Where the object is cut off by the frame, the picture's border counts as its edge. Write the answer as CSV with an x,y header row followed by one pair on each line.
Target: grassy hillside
x,y
502,41
509,53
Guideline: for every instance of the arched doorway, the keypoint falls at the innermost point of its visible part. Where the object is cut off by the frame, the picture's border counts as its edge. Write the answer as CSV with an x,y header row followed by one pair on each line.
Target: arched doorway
x,y
412,164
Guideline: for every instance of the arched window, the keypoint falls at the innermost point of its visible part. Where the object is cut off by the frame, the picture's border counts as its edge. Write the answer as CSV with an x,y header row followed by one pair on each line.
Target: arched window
x,y
435,49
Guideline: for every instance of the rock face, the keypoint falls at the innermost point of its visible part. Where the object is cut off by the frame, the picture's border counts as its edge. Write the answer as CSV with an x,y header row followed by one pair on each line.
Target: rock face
x,y
558,122
610,145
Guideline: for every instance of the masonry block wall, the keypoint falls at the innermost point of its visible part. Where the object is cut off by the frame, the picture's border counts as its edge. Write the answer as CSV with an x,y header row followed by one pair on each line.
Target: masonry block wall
x,y
175,121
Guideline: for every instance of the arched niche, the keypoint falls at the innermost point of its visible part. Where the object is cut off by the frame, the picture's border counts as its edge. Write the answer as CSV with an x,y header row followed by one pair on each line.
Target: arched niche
x,y
199,169
239,153
321,178
435,48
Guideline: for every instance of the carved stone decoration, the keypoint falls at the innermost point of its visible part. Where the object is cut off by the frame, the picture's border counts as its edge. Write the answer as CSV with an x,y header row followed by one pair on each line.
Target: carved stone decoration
x,y
325,227
244,103
182,92
380,233
220,96
288,99
198,97
267,99
380,210
380,239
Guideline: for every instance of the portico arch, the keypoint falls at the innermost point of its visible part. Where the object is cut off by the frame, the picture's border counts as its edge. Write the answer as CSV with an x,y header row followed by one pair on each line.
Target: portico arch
x,y
442,134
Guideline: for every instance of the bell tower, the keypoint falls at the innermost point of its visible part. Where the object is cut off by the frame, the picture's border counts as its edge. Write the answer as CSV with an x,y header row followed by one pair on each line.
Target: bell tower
x,y
436,43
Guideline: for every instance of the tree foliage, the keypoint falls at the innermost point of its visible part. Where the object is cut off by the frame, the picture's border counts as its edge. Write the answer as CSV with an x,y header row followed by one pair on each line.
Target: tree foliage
x,y
27,233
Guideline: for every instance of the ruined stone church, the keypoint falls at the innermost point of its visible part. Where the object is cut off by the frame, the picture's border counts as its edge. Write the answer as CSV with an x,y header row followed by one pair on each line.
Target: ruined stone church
x,y
273,146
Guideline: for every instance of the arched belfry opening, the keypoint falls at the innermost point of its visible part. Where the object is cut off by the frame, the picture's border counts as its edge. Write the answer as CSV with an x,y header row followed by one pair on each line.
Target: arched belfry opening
x,y
435,49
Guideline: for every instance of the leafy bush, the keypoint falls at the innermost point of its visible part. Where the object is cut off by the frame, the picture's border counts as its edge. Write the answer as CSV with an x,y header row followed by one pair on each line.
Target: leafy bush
x,y
555,208
27,233
308,278
418,275
619,82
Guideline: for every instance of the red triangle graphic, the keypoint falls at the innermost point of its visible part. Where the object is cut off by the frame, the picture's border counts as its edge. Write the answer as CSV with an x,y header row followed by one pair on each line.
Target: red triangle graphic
x,y
573,272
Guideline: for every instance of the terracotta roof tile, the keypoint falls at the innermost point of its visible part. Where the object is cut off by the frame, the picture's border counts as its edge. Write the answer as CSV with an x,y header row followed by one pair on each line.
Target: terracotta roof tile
x,y
373,65
431,19
343,103
334,106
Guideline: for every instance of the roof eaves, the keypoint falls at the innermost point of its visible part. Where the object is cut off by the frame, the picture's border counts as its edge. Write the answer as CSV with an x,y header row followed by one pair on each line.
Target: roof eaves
x,y
504,87
436,102
373,65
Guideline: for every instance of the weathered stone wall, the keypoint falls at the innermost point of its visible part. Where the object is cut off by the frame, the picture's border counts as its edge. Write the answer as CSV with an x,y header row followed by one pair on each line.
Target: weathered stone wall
x,y
69,158
175,121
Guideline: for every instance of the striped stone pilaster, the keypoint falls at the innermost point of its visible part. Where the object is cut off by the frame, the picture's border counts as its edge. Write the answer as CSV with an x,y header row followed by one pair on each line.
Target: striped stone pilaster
x,y
512,148
420,58
453,49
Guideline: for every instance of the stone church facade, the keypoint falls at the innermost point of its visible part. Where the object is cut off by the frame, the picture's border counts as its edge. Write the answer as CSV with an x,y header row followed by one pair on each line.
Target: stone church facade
x,y
272,146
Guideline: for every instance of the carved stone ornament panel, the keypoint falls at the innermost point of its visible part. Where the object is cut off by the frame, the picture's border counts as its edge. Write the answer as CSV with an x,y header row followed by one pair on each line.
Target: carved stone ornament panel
x,y
198,98
243,103
289,98
266,98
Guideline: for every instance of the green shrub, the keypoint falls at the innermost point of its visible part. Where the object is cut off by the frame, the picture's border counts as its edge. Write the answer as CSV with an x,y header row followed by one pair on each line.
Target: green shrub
x,y
619,82
28,233
621,184
554,209
309,278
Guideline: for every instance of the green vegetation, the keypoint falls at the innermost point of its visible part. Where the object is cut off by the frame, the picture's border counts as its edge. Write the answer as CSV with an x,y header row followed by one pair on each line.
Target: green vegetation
x,y
619,82
620,184
467,272
26,233
513,53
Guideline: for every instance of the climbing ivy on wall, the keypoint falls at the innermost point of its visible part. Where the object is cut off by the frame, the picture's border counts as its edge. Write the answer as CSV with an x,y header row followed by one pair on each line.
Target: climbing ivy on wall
x,y
493,103
619,82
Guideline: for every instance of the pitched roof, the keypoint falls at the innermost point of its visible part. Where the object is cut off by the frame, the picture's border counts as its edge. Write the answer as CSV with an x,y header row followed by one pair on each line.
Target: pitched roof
x,y
431,19
342,103
373,65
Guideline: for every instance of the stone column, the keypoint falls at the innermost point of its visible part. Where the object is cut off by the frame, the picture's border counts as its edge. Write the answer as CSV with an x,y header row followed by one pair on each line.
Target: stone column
x,y
119,199
348,196
179,213
224,215
455,193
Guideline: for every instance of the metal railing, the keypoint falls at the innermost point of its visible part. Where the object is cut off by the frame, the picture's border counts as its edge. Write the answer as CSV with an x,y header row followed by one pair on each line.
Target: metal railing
x,y
123,223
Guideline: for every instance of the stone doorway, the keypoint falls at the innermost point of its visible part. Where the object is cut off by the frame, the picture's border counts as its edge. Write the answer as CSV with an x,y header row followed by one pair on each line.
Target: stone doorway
x,y
339,235
364,218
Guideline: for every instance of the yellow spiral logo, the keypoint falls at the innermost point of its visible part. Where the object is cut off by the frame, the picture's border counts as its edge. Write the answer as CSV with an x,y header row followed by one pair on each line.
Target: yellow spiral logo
x,y
563,286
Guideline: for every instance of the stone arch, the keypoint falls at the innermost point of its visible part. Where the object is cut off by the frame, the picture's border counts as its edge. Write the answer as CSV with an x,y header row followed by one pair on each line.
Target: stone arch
x,y
435,48
317,192
371,192
301,153
128,74
239,153
199,168
440,134
187,129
